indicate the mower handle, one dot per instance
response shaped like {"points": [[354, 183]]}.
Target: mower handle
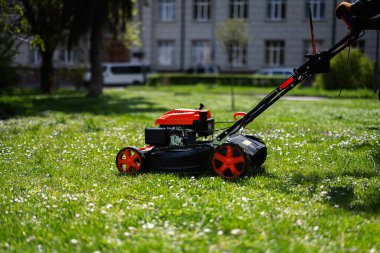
{"points": [[318, 63]]}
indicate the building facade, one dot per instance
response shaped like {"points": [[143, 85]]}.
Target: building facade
{"points": [[178, 34]]}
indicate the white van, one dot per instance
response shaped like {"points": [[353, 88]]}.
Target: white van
{"points": [[121, 74]]}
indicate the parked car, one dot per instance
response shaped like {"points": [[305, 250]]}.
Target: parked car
{"points": [[275, 71], [121, 74], [204, 69]]}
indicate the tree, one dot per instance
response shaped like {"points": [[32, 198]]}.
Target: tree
{"points": [[48, 20], [9, 76], [10, 18], [232, 33], [95, 16]]}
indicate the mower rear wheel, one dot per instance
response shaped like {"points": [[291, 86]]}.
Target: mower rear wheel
{"points": [[229, 161], [129, 160]]}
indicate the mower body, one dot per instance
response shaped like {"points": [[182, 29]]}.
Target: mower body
{"points": [[174, 147]]}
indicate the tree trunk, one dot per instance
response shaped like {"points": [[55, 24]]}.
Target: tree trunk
{"points": [[96, 45], [47, 71]]}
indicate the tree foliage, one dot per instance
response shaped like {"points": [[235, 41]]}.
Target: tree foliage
{"points": [[8, 74], [12, 18], [47, 20], [12, 23]]}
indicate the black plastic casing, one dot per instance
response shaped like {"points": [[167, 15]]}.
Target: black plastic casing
{"points": [[254, 147], [157, 136], [190, 160]]}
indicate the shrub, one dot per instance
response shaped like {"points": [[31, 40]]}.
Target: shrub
{"points": [[210, 79], [358, 73]]}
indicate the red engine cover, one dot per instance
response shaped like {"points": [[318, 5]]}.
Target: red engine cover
{"points": [[181, 117]]}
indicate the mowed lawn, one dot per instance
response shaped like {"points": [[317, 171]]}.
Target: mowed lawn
{"points": [[60, 191]]}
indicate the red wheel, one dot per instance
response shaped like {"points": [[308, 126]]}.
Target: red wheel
{"points": [[129, 160], [229, 161]]}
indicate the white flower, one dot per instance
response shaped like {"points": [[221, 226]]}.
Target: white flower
{"points": [[30, 238], [74, 241], [109, 206], [235, 231], [148, 226], [244, 199], [316, 228]]}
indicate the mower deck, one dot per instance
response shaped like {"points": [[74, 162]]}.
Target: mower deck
{"points": [[230, 160]]}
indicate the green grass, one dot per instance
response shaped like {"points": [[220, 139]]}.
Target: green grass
{"points": [[60, 190], [298, 91]]}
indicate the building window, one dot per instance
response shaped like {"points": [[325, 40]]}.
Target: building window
{"points": [[201, 52], [67, 57], [165, 53], [202, 10], [238, 9], [318, 9], [276, 9], [308, 46], [275, 53], [34, 56], [238, 56], [167, 10]]}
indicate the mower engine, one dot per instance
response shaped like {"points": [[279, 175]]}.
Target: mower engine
{"points": [[180, 127]]}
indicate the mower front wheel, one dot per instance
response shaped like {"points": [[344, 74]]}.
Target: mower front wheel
{"points": [[129, 160], [229, 161]]}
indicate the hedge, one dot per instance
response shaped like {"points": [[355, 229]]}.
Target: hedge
{"points": [[220, 79]]}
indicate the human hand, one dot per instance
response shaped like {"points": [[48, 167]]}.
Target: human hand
{"points": [[342, 8]]}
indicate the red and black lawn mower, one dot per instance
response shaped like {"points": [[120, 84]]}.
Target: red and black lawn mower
{"points": [[174, 145]]}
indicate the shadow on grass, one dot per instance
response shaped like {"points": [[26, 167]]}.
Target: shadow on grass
{"points": [[206, 173], [31, 105], [339, 192], [376, 157]]}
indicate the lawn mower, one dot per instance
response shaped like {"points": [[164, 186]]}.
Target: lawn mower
{"points": [[174, 145]]}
